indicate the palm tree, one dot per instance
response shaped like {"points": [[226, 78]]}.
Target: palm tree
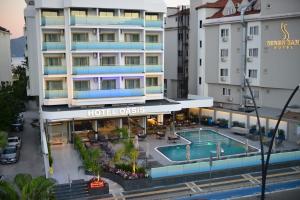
{"points": [[38, 188], [3, 139], [7, 191]]}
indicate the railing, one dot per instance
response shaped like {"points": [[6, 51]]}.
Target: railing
{"points": [[55, 94], [77, 70], [53, 20], [154, 46], [154, 24], [153, 68], [108, 45], [97, 20], [94, 94], [154, 90], [53, 46], [49, 70]]}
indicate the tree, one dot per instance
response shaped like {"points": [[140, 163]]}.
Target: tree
{"points": [[3, 139], [7, 191], [90, 161], [39, 188]]}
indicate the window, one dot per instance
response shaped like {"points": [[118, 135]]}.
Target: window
{"points": [[132, 37], [132, 14], [132, 60], [80, 37], [152, 38], [223, 72], [53, 61], [107, 37], [81, 61], [106, 13], [108, 60], [153, 81], [226, 91], [224, 33], [151, 17], [252, 73], [200, 62], [152, 60], [81, 85], [52, 37], [253, 30], [200, 43], [108, 84], [54, 85], [253, 52], [200, 24], [79, 12], [49, 13], [224, 53], [200, 80], [179, 53], [132, 83]]}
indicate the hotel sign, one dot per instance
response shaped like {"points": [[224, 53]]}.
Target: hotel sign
{"points": [[285, 42], [116, 112]]}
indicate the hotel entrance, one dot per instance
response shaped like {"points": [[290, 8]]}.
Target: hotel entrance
{"points": [[58, 133]]}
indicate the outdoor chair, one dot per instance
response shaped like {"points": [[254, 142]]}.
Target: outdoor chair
{"points": [[173, 139], [142, 136]]}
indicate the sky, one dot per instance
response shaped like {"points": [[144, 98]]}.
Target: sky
{"points": [[11, 14]]}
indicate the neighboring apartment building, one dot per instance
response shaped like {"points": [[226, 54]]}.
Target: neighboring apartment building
{"points": [[5, 56], [98, 66], [176, 52], [272, 63]]}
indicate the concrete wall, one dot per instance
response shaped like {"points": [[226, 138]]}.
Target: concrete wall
{"points": [[279, 7], [5, 57]]}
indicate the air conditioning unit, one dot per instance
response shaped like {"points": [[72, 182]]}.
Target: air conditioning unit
{"points": [[223, 79], [94, 31], [95, 55], [230, 99], [224, 39], [223, 59], [250, 37], [249, 101], [249, 59]]}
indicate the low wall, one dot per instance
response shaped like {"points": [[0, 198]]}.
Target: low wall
{"points": [[227, 164]]}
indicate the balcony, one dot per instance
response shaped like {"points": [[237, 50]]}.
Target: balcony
{"points": [[153, 68], [53, 46], [154, 46], [81, 70], [154, 24], [108, 46], [55, 94], [154, 90], [97, 20], [94, 94], [53, 20], [55, 70]]}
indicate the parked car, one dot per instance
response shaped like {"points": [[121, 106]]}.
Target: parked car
{"points": [[14, 141], [10, 155], [17, 125]]}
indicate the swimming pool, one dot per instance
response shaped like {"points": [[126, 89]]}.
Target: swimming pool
{"points": [[202, 144]]}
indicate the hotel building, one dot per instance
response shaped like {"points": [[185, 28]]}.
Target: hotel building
{"points": [[5, 57], [98, 65]]}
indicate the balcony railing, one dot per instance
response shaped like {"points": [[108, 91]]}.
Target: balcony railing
{"points": [[94, 94], [97, 20], [56, 94], [53, 20], [53, 70], [153, 68], [78, 70], [154, 90], [53, 46], [154, 46], [154, 24], [108, 45]]}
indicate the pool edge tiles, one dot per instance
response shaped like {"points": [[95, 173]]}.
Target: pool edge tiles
{"points": [[239, 144]]}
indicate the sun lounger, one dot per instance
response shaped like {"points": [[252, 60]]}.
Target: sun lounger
{"points": [[240, 131]]}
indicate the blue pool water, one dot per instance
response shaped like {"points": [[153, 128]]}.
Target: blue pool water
{"points": [[202, 144]]}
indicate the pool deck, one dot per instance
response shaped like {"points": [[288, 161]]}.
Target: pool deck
{"points": [[159, 160]]}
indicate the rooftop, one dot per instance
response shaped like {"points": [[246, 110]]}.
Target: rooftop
{"points": [[4, 29]]}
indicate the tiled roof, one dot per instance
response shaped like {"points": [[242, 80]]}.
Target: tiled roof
{"points": [[181, 12], [218, 4], [219, 14], [4, 29]]}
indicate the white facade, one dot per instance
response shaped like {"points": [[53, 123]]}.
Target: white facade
{"points": [[5, 56]]}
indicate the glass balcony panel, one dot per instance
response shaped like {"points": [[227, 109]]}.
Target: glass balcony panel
{"points": [[107, 45], [53, 46], [153, 68], [154, 90], [94, 94], [154, 46], [97, 20], [79, 70], [56, 94], [53, 20], [49, 70], [154, 23]]}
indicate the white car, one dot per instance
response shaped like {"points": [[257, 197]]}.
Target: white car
{"points": [[14, 141]]}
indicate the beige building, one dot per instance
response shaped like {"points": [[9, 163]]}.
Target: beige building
{"points": [[5, 57]]}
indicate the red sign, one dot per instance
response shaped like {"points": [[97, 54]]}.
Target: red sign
{"points": [[95, 183]]}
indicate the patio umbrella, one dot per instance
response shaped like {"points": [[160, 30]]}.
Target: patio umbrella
{"points": [[218, 150], [247, 146], [188, 152], [136, 142], [147, 150]]}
